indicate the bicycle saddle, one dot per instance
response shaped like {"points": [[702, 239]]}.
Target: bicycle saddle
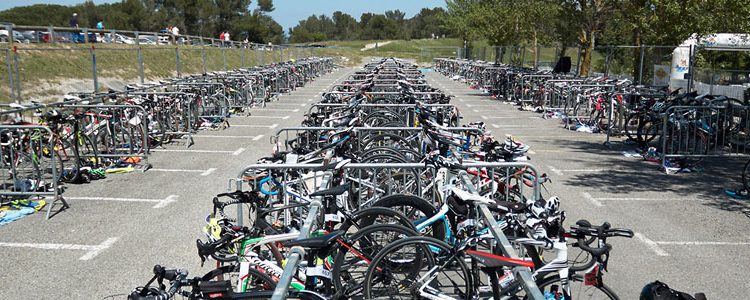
{"points": [[317, 242], [334, 191]]}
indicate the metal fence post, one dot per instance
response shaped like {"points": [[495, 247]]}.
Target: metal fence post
{"points": [[10, 76], [93, 69], [18, 76], [86, 36], [690, 74], [640, 66], [224, 55], [203, 55], [608, 60], [51, 35], [242, 57], [578, 61], [139, 55], [177, 60]]}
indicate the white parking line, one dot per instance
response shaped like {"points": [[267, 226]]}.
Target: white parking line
{"points": [[258, 137], [666, 198], [278, 109], [591, 199], [228, 136], [202, 172], [255, 126], [208, 172], [92, 250], [238, 151], [269, 117], [561, 172], [517, 117], [651, 244], [160, 203], [511, 126], [303, 104], [197, 151], [481, 105]]}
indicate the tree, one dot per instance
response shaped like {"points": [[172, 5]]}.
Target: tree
{"points": [[266, 6]]}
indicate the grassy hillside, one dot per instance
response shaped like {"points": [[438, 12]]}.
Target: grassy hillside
{"points": [[48, 71]]}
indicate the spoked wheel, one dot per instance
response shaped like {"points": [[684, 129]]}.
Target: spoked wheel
{"points": [[351, 263]]}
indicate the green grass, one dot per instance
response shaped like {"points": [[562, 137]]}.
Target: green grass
{"points": [[49, 70], [43, 69]]}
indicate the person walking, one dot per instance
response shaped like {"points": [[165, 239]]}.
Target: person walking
{"points": [[175, 34], [73, 20]]}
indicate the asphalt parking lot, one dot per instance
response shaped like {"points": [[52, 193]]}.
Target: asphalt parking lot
{"points": [[689, 235]]}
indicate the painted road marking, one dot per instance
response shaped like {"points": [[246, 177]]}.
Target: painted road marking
{"points": [[92, 250], [255, 126], [278, 109], [482, 105], [229, 136], [502, 117], [238, 151], [651, 244], [598, 200], [513, 126], [591, 199], [258, 137], [561, 172], [208, 172], [202, 172], [198, 151], [270, 117], [160, 203]]}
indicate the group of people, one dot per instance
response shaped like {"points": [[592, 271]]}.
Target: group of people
{"points": [[225, 38]]}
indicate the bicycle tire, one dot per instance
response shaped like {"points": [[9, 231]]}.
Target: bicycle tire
{"points": [[255, 276], [414, 208], [549, 281], [342, 267], [426, 252]]}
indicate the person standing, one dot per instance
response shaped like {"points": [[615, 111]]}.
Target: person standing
{"points": [[74, 20], [100, 24], [175, 34], [227, 39]]}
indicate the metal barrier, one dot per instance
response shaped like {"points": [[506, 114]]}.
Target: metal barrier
{"points": [[122, 129], [250, 174], [402, 113], [29, 155], [285, 136], [704, 131]]}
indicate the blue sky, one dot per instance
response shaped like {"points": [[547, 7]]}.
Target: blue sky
{"points": [[289, 12]]}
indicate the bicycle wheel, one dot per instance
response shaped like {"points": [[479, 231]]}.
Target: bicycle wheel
{"points": [[256, 279], [415, 267], [352, 260], [551, 288], [415, 209]]}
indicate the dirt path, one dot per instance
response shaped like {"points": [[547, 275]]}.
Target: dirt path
{"points": [[372, 45]]}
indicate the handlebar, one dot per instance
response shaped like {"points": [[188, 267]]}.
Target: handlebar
{"points": [[175, 276]]}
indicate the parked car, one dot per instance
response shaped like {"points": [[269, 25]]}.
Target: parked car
{"points": [[17, 36], [59, 37], [78, 37], [118, 39], [32, 36], [147, 40]]}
